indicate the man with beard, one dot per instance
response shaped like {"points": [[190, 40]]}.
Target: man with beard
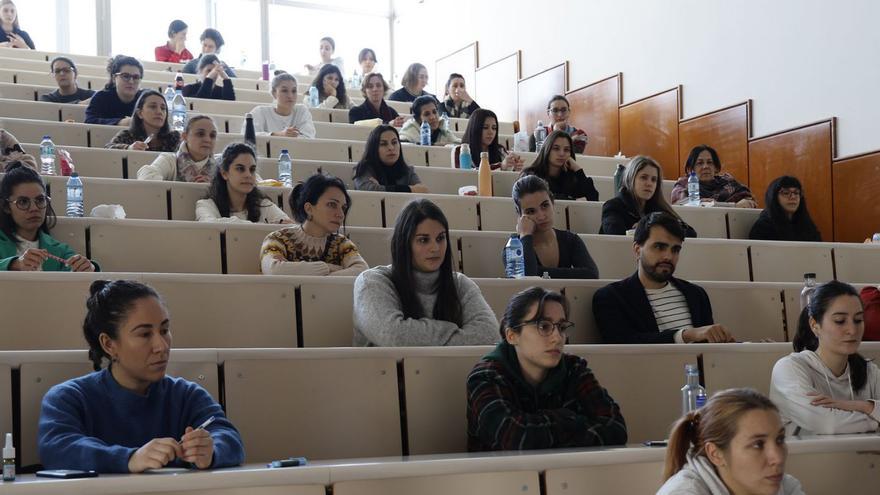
{"points": [[652, 306]]}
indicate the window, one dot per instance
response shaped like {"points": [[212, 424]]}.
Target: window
{"points": [[37, 17], [82, 27], [243, 46]]}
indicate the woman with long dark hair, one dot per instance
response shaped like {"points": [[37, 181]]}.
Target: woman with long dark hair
{"points": [[150, 121], [481, 136], [785, 216], [331, 88], [419, 300], [556, 164], [383, 168]]}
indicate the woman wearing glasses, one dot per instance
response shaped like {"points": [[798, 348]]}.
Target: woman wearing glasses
{"points": [[26, 216], [785, 216], [559, 113], [528, 394], [114, 105]]}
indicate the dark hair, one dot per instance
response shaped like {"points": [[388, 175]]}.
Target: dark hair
{"points": [[672, 224], [558, 98], [63, 59], [695, 153], [418, 103], [541, 165], [371, 165], [325, 70], [107, 305], [207, 60], [175, 27], [18, 173], [529, 184], [521, 303], [800, 222], [136, 127], [452, 76], [195, 118], [116, 63], [473, 136], [330, 40], [804, 338], [218, 191], [214, 35], [311, 191], [716, 422], [363, 55], [447, 307]]}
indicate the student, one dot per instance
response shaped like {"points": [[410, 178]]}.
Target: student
{"points": [[130, 416], [419, 300], [26, 218], [528, 394], [64, 71], [331, 88], [374, 88], [414, 81], [312, 246], [640, 194], [714, 184], [382, 166], [735, 444], [458, 102], [826, 387], [327, 47], [210, 72], [194, 160], [367, 60], [174, 50], [212, 42], [424, 108], [11, 151], [556, 164], [286, 117], [559, 113], [150, 121], [114, 104], [558, 253], [233, 195], [482, 135], [11, 35], [652, 306], [785, 216]]}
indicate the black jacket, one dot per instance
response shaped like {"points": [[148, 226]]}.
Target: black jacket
{"points": [[210, 91], [764, 229], [365, 111], [620, 213], [624, 315]]}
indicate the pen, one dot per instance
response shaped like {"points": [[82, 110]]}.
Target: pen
{"points": [[290, 462], [203, 425]]}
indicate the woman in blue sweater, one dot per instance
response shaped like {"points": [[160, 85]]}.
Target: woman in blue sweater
{"points": [[130, 416]]}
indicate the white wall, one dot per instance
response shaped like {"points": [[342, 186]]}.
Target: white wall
{"points": [[799, 60]]}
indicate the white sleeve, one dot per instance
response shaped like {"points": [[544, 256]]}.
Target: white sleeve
{"points": [[303, 122], [162, 168], [206, 211], [261, 127], [329, 102], [271, 213]]}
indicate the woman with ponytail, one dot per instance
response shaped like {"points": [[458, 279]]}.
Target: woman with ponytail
{"points": [[734, 445], [130, 416], [826, 386]]}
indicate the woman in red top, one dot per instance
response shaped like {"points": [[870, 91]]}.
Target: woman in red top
{"points": [[175, 49]]}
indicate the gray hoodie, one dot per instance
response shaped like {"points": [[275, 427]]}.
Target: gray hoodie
{"points": [[698, 477]]}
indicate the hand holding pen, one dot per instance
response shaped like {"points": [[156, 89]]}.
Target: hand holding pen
{"points": [[197, 446]]}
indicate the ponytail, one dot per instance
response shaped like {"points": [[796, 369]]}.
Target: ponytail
{"points": [[683, 436]]}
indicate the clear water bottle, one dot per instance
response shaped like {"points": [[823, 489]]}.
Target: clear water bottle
{"points": [[465, 160], [355, 80], [444, 122], [540, 135], [313, 97], [807, 291], [425, 134], [47, 156], [514, 264], [693, 190], [178, 112], [876, 237], [284, 168], [693, 395], [75, 206], [169, 96]]}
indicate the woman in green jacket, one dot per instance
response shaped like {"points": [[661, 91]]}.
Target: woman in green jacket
{"points": [[26, 216]]}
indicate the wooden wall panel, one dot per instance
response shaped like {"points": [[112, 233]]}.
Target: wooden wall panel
{"points": [[535, 91], [727, 130], [856, 181], [495, 86], [650, 127], [463, 61], [804, 152], [595, 109]]}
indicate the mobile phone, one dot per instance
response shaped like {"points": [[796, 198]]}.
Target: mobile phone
{"points": [[66, 474]]}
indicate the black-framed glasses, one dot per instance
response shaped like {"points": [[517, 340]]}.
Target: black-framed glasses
{"points": [[62, 70], [23, 203], [125, 76], [545, 327], [790, 193]]}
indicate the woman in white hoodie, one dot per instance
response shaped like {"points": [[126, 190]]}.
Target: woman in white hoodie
{"points": [[825, 386], [733, 445]]}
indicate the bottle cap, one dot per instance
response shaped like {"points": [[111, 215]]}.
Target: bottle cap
{"points": [[484, 154], [809, 275], [9, 450], [283, 151], [47, 137], [465, 146], [691, 368], [248, 115]]}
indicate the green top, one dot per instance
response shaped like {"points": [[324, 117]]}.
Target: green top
{"points": [[9, 252]]}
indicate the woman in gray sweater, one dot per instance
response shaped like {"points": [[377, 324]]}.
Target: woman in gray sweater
{"points": [[382, 168], [419, 300]]}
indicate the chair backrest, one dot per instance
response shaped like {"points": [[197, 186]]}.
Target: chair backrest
{"points": [[92, 162], [752, 312], [584, 217], [141, 199], [710, 223], [321, 326], [365, 210], [243, 244], [484, 483], [741, 365], [740, 220], [460, 211], [857, 263], [713, 259], [788, 261], [499, 214], [621, 476]]}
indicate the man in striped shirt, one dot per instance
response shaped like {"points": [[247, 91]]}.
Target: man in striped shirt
{"points": [[652, 306]]}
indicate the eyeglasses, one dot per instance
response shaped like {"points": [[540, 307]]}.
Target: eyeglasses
{"points": [[790, 193], [23, 203], [125, 76], [63, 70], [545, 327], [558, 111]]}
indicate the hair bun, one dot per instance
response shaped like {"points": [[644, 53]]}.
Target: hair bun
{"points": [[98, 286]]}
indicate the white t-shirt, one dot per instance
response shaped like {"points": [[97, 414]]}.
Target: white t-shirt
{"points": [[670, 310], [267, 121], [206, 211]]}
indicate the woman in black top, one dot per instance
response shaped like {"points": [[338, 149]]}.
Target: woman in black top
{"points": [[211, 72], [785, 216], [374, 88], [559, 253], [11, 35], [555, 163], [414, 81]]}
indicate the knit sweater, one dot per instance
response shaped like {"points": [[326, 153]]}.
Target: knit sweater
{"points": [[698, 477], [207, 211], [161, 142], [379, 318], [290, 251], [267, 121], [568, 409], [179, 166], [106, 108], [92, 422]]}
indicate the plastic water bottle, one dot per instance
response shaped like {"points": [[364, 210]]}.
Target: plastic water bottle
{"points": [[693, 395], [313, 97], [807, 291], [250, 135], [425, 134], [169, 96], [284, 168], [75, 196], [355, 80], [514, 264], [693, 190], [178, 112], [444, 122], [465, 160], [875, 237], [47, 156], [540, 135]]}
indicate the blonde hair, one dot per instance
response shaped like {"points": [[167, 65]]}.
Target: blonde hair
{"points": [[411, 76], [657, 202]]}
